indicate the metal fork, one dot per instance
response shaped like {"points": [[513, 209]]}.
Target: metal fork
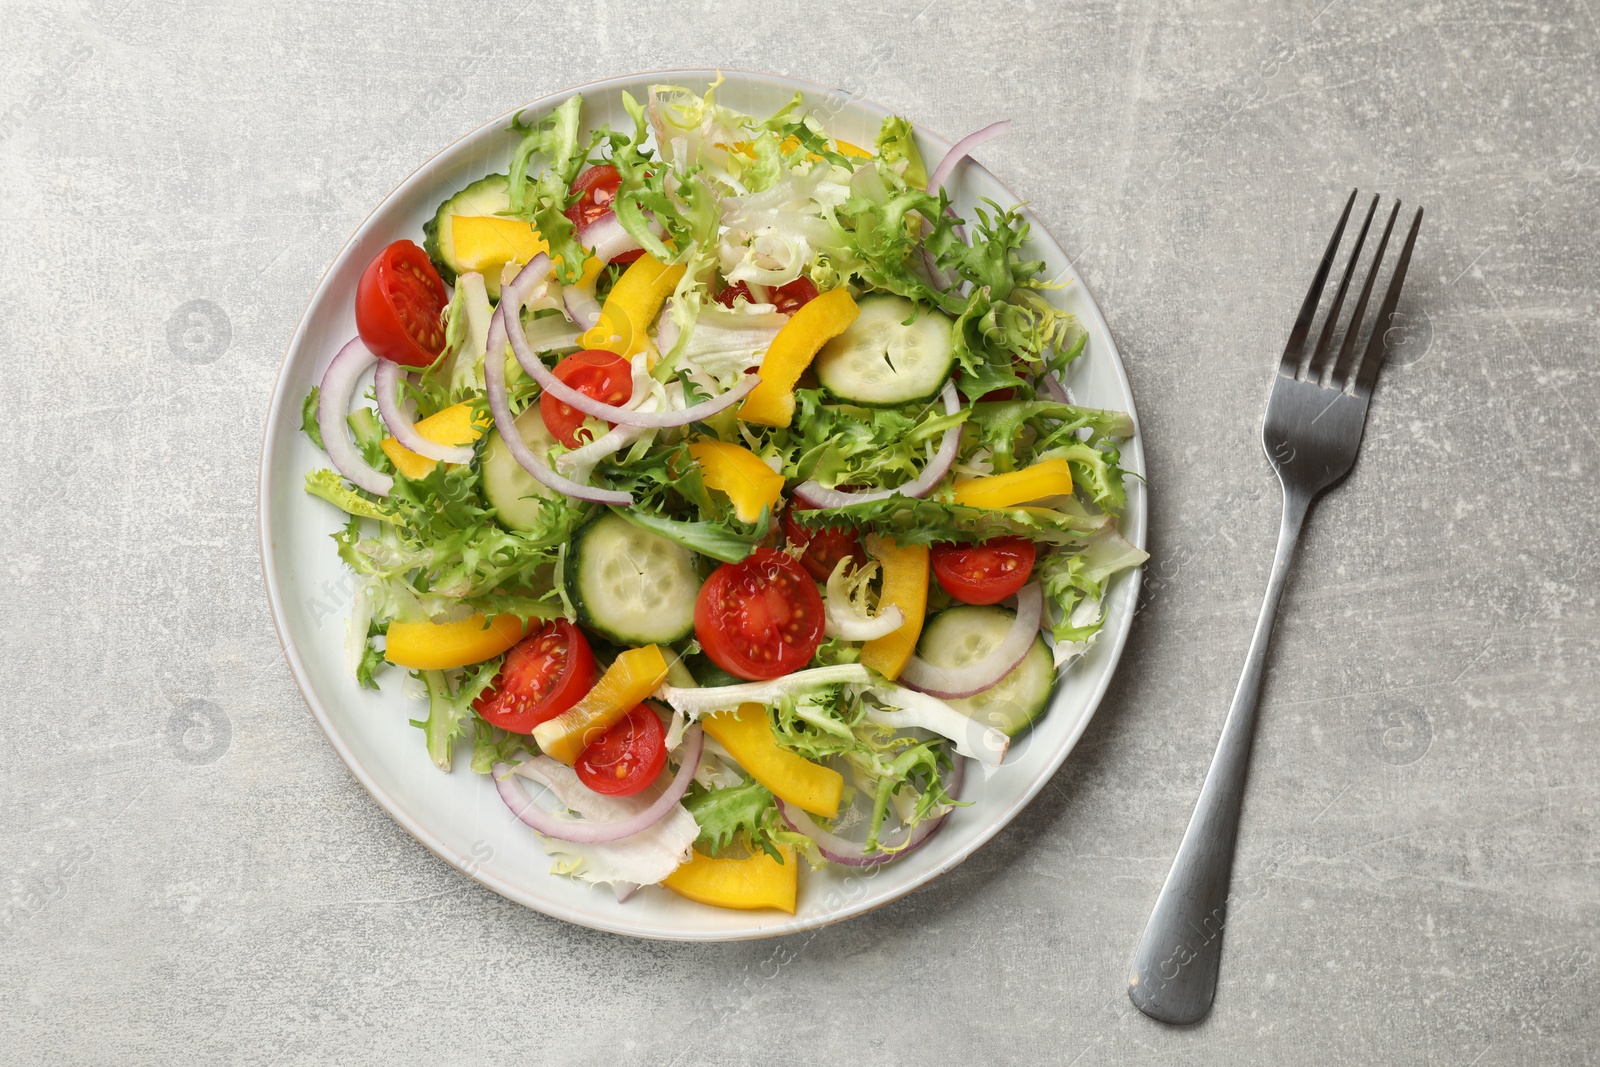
{"points": [[1312, 430]]}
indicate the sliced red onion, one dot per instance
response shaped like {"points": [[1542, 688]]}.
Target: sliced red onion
{"points": [[819, 496], [948, 683], [398, 418], [606, 238], [590, 832], [494, 380], [960, 150], [937, 277], [582, 308], [623, 890], [1057, 392], [854, 854], [338, 388], [654, 420], [668, 331]]}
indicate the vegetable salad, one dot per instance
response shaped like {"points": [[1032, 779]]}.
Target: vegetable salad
{"points": [[722, 499]]}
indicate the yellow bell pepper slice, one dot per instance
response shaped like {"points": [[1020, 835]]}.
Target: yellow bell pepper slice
{"points": [[634, 675], [772, 402], [747, 735], [632, 305], [905, 585], [757, 882], [486, 243], [1048, 477], [436, 646], [739, 472], [591, 272], [790, 143], [452, 426]]}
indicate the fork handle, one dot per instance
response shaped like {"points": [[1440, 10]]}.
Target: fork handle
{"points": [[1174, 973]]}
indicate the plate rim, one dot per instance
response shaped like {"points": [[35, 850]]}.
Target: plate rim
{"points": [[1123, 599]]}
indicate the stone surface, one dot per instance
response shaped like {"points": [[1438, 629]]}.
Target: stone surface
{"points": [[190, 875]]}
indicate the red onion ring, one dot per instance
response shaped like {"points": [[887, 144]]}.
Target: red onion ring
{"points": [[819, 496], [582, 308], [853, 854], [939, 279], [339, 383], [606, 238], [1057, 392], [587, 831], [494, 380], [398, 419], [947, 683], [511, 307], [960, 150]]}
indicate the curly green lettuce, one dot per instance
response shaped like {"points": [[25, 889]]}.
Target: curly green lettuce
{"points": [[744, 813], [543, 200], [450, 713]]}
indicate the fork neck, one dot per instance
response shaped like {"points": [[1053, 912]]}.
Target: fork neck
{"points": [[1296, 503]]}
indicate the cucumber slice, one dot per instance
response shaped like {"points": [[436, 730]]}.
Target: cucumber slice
{"points": [[486, 196], [515, 494], [631, 585], [965, 634], [881, 361]]}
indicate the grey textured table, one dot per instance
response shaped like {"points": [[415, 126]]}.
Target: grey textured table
{"points": [[192, 876]]}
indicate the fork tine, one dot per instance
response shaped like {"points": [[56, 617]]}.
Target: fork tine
{"points": [[1348, 346], [1317, 363], [1366, 374], [1290, 364]]}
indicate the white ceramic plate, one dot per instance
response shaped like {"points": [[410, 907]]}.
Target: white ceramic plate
{"points": [[458, 815]]}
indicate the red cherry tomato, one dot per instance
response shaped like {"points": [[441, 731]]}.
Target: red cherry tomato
{"points": [[596, 190], [398, 302], [824, 547], [729, 296], [787, 298], [593, 372], [761, 618], [543, 675], [627, 757], [985, 573], [794, 295]]}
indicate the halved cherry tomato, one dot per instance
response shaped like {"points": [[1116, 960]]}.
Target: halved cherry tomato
{"points": [[793, 296], [730, 296], [596, 190], [627, 757], [398, 301], [544, 674], [594, 372], [787, 298], [824, 547], [761, 618], [986, 573]]}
